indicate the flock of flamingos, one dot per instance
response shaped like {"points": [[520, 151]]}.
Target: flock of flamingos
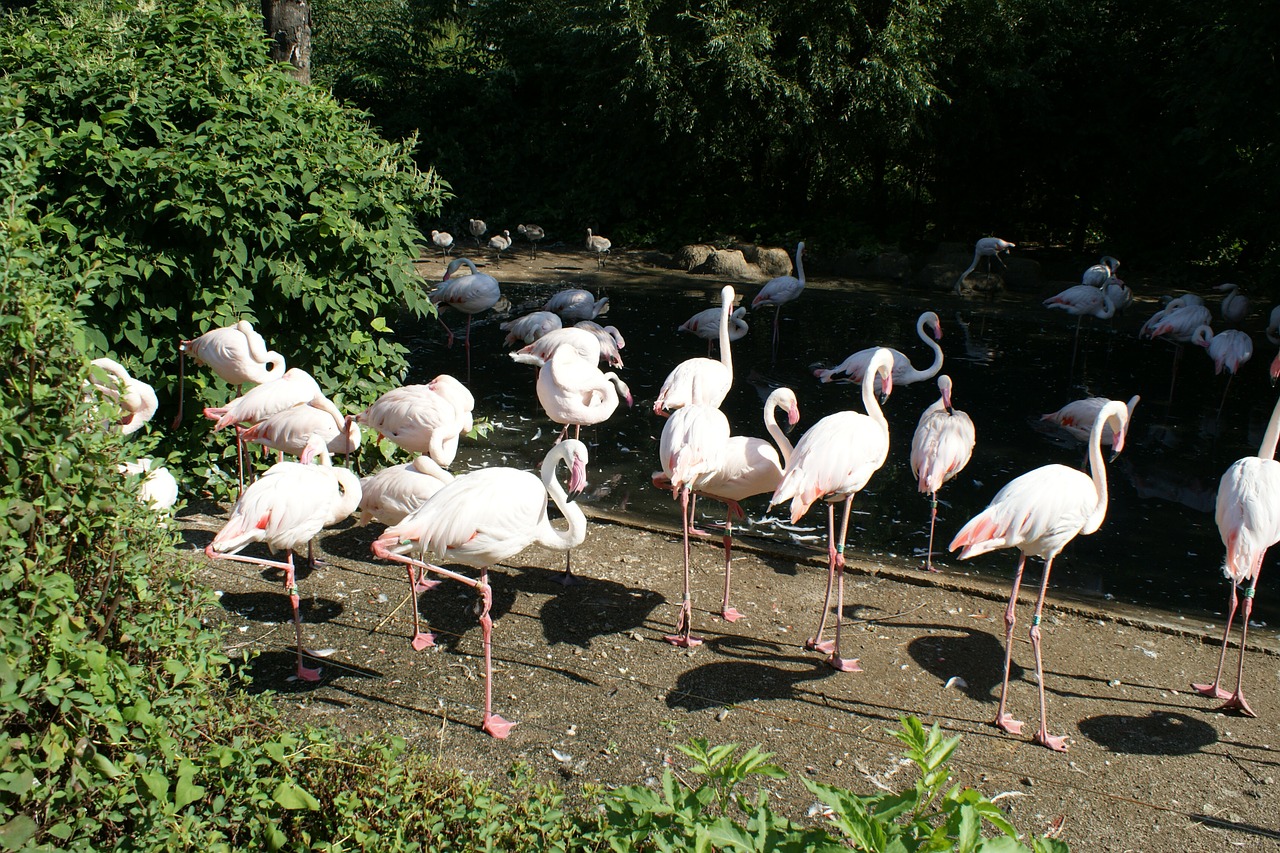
{"points": [[481, 518]]}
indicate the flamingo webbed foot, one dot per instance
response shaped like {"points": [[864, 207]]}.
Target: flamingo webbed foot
{"points": [[306, 673], [815, 644], [730, 614], [1055, 742], [840, 664], [420, 586], [422, 640], [1007, 723], [1213, 691], [684, 641], [1237, 703], [496, 726], [568, 579]]}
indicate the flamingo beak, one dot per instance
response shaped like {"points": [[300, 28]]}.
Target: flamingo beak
{"points": [[577, 478]]}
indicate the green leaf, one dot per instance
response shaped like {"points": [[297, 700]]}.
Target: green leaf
{"points": [[290, 796], [17, 832]]}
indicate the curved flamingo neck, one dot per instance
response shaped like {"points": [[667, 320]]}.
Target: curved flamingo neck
{"points": [[800, 263], [882, 360], [775, 431], [726, 309], [1113, 411], [1267, 450], [577, 531], [932, 370], [349, 483]]}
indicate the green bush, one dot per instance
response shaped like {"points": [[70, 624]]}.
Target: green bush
{"points": [[205, 186]]}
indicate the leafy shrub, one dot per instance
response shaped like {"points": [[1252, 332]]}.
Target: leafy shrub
{"points": [[204, 187]]}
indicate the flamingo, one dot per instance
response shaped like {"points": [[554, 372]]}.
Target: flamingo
{"points": [[692, 450], [530, 327], [237, 354], [575, 392], [289, 430], [588, 346], [1039, 513], [611, 341], [394, 492], [480, 519], [599, 245], [706, 324], [941, 447], [750, 467], [1235, 305], [1248, 517], [834, 460], [477, 228], [443, 241], [1229, 350], [701, 381], [157, 487], [857, 366], [500, 243], [781, 290], [532, 233], [423, 418], [1180, 323], [987, 247], [1100, 273], [137, 400], [1273, 325], [286, 508], [574, 304], [1077, 418], [1082, 299], [294, 388], [470, 294], [1172, 304]]}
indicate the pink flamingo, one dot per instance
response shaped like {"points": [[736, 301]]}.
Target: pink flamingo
{"points": [[691, 450], [157, 487], [611, 341], [701, 381], [1229, 351], [286, 508], [706, 325], [857, 366], [289, 430], [1077, 418], [237, 354], [480, 519], [1248, 516], [576, 304], [392, 493], [833, 462], [470, 294], [1184, 320], [1235, 305], [294, 388], [941, 447], [1101, 273], [588, 346], [1039, 513], [530, 327], [574, 392], [137, 400], [426, 419], [781, 290], [750, 467], [987, 247]]}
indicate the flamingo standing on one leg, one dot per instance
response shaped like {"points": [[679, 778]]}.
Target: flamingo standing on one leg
{"points": [[237, 354], [941, 447], [480, 519], [470, 294], [575, 392], [426, 419], [701, 381], [286, 508], [987, 247], [1039, 513], [833, 462], [706, 325], [1082, 299], [692, 451], [1229, 351], [781, 290], [857, 365], [1248, 516]]}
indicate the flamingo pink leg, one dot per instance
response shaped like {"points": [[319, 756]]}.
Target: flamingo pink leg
{"points": [[684, 623], [835, 661], [1003, 719], [1215, 690], [729, 614], [933, 518], [1235, 701], [291, 588], [1054, 742], [815, 643]]}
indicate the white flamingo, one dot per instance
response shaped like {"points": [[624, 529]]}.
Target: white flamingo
{"points": [[940, 448], [987, 247], [701, 381], [781, 290], [857, 365], [599, 245]]}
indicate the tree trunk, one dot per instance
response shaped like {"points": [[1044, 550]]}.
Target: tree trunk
{"points": [[288, 24]]}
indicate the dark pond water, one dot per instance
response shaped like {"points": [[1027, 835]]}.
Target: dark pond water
{"points": [[1159, 545]]}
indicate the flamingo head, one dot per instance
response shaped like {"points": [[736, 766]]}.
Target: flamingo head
{"points": [[944, 387], [932, 321]]}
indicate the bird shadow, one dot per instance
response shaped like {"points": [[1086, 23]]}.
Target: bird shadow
{"points": [[452, 609], [276, 672], [727, 683], [1157, 733], [274, 607], [578, 613], [976, 657]]}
